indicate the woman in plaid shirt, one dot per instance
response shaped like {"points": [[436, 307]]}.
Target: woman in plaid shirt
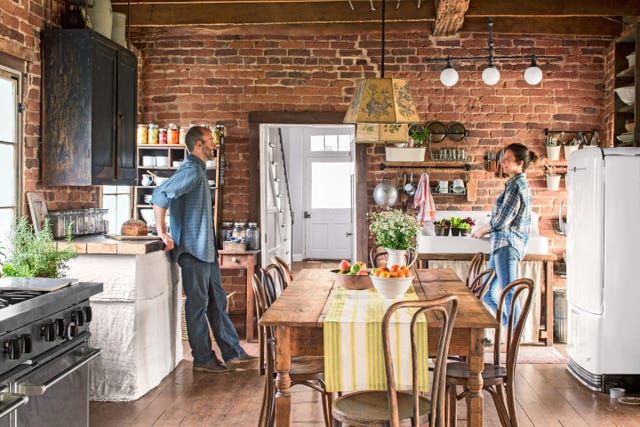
{"points": [[510, 224]]}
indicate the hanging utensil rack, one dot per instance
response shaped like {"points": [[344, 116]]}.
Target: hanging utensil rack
{"points": [[547, 131], [465, 167]]}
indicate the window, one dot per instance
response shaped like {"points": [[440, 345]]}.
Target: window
{"points": [[116, 198], [331, 142], [10, 160]]}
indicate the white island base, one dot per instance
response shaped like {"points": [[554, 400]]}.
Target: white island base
{"points": [[136, 321]]}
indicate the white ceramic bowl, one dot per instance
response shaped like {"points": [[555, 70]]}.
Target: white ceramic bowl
{"points": [[159, 180], [162, 161], [148, 161], [176, 163], [392, 287], [627, 94], [147, 216]]}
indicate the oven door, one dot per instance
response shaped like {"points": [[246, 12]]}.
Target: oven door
{"points": [[57, 387]]}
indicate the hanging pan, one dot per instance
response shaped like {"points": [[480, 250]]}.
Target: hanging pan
{"points": [[456, 131], [437, 131]]}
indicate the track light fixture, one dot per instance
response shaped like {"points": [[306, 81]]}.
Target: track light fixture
{"points": [[491, 74]]}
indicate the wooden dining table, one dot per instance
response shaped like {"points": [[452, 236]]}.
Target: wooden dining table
{"points": [[297, 317]]}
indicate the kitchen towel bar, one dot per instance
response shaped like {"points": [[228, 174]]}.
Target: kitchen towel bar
{"points": [[466, 167]]}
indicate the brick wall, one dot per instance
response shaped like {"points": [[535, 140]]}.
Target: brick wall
{"points": [[20, 24], [194, 76]]}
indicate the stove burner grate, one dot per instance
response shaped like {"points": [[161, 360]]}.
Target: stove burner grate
{"points": [[9, 297]]}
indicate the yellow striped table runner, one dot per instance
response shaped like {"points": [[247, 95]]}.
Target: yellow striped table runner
{"points": [[353, 353]]}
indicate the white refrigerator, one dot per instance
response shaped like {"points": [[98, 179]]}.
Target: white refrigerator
{"points": [[603, 267]]}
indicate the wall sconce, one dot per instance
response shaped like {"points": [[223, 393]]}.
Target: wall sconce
{"points": [[491, 74]]}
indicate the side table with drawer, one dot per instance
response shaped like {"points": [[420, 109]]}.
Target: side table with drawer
{"points": [[243, 260]]}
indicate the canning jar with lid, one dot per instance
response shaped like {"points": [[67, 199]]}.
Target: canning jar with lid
{"points": [[253, 237], [142, 135], [154, 133], [225, 232], [162, 136], [239, 231], [183, 135], [173, 137]]}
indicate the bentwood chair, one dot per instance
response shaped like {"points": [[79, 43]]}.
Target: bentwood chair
{"points": [[475, 267], [389, 408], [498, 378], [378, 256], [480, 284], [305, 370], [286, 269]]}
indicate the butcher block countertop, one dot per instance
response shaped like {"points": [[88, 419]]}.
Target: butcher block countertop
{"points": [[101, 245]]}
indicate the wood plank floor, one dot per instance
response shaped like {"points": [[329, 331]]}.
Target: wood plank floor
{"points": [[547, 396]]}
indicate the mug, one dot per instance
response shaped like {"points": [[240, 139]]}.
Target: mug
{"points": [[146, 179], [458, 186], [443, 187]]}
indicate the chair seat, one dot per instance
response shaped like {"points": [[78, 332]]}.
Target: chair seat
{"points": [[372, 407], [305, 368], [458, 373]]}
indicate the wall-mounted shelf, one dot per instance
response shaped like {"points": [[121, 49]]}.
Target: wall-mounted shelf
{"points": [[466, 166]]}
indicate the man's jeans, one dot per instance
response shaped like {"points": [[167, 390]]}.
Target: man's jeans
{"points": [[207, 300], [504, 261]]}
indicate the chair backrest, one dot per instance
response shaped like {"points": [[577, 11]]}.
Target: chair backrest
{"points": [[442, 311], [480, 285], [378, 256], [286, 269], [522, 289], [476, 266], [273, 281]]}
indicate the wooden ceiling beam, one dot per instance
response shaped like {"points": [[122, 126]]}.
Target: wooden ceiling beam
{"points": [[449, 16], [553, 8], [589, 26]]}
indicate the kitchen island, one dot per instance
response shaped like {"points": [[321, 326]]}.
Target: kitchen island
{"points": [[137, 317]]}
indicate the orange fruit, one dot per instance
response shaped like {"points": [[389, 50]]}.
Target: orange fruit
{"points": [[385, 274]]}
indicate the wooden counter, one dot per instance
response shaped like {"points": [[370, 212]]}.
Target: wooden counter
{"points": [[101, 245]]}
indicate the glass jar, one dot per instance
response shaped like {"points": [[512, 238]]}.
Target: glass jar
{"points": [[253, 237], [226, 228], [142, 134], [239, 232], [183, 135], [162, 136], [173, 137], [154, 134]]}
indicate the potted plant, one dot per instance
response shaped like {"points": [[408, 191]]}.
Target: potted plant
{"points": [[442, 227], [396, 231], [415, 150], [553, 179], [420, 136], [553, 149], [570, 147], [34, 253], [456, 221], [465, 226]]}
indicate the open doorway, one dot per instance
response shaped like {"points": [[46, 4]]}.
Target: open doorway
{"points": [[312, 168]]}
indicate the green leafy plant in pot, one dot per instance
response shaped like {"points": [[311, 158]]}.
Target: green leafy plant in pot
{"points": [[442, 227], [456, 221], [33, 253], [420, 136]]}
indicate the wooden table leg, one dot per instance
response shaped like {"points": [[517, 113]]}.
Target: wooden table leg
{"points": [[475, 361], [249, 303], [283, 380]]}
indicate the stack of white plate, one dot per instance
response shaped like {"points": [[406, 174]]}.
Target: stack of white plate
{"points": [[625, 138]]}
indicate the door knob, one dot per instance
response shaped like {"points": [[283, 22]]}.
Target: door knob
{"points": [[348, 234], [307, 214]]}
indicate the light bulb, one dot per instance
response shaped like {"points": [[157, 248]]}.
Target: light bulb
{"points": [[449, 76], [533, 74], [491, 75]]}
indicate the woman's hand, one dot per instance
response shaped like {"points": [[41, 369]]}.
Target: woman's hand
{"points": [[480, 232]]}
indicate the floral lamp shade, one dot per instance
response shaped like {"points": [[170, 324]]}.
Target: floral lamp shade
{"points": [[382, 100]]}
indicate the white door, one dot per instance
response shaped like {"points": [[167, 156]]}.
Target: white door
{"points": [[328, 195]]}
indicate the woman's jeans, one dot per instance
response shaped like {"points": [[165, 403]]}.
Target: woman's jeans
{"points": [[504, 261], [207, 300]]}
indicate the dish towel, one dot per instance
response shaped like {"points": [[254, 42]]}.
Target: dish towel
{"points": [[423, 199]]}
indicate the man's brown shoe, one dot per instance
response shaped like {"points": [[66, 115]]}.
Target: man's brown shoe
{"points": [[214, 365], [243, 362]]}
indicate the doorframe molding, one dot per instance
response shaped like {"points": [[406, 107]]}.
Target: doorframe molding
{"points": [[257, 118]]}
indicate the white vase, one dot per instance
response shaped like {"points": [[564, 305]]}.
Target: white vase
{"points": [[553, 152], [553, 182], [396, 257], [568, 149]]}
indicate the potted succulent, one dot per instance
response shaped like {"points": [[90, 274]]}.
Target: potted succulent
{"points": [[33, 253], [396, 231], [570, 147], [553, 149], [442, 227]]}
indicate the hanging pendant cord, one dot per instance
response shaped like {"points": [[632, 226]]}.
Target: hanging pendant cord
{"points": [[382, 49]]}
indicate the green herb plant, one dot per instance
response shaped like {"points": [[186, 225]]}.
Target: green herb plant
{"points": [[34, 253], [455, 221], [419, 136]]}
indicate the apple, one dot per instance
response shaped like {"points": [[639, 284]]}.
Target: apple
{"points": [[362, 272], [355, 268], [344, 266]]}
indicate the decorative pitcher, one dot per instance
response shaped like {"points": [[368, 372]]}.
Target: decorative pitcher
{"points": [[396, 257]]}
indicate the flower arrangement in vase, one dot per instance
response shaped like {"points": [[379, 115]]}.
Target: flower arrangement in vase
{"points": [[553, 148], [394, 230]]}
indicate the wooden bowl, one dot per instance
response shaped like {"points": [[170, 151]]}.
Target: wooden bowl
{"points": [[352, 281]]}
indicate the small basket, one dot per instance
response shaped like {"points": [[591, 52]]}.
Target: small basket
{"points": [[234, 246]]}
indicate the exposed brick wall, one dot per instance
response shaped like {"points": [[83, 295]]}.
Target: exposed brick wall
{"points": [[20, 24], [194, 76]]}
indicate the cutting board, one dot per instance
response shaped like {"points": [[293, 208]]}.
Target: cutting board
{"points": [[34, 283], [121, 237]]}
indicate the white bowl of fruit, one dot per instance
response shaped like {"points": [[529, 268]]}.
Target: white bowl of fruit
{"points": [[352, 276], [393, 282]]}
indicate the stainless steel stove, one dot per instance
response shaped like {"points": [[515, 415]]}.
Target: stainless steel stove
{"points": [[44, 337]]}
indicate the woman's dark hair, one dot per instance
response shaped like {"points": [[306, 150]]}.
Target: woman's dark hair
{"points": [[522, 153]]}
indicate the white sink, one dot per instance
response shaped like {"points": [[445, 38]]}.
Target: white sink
{"points": [[538, 245]]}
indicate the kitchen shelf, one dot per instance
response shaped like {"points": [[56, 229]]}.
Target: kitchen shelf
{"points": [[626, 75]]}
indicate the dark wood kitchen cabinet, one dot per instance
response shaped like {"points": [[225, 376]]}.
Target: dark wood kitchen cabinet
{"points": [[89, 110]]}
